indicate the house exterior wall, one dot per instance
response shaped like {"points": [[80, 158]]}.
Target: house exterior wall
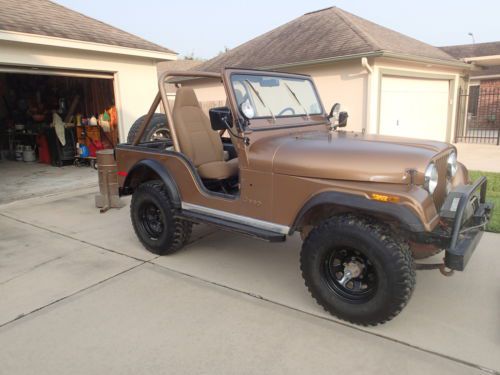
{"points": [[344, 82], [135, 78], [486, 114]]}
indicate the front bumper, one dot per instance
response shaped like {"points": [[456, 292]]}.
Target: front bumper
{"points": [[467, 212]]}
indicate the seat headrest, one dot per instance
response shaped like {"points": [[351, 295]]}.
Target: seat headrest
{"points": [[185, 97]]}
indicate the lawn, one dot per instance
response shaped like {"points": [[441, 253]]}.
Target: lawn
{"points": [[492, 195]]}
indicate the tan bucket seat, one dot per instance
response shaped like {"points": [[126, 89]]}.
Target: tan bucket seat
{"points": [[197, 140]]}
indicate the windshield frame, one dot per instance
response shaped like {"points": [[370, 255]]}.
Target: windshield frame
{"points": [[270, 122]]}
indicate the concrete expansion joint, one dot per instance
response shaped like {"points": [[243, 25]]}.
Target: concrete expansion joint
{"points": [[219, 285]]}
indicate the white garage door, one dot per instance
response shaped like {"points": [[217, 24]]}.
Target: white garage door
{"points": [[414, 107]]}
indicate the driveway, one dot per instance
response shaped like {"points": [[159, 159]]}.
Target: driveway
{"points": [[80, 295], [479, 157]]}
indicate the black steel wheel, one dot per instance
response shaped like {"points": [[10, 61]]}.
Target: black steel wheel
{"points": [[154, 221], [357, 269], [151, 220], [350, 274]]}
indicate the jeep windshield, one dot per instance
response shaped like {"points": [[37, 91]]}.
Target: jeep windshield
{"points": [[260, 96]]}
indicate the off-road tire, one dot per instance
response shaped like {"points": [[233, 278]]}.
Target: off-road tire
{"points": [[175, 232], [389, 257], [158, 121]]}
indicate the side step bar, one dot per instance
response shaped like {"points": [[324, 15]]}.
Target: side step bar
{"points": [[232, 226]]}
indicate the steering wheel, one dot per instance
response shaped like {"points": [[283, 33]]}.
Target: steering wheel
{"points": [[290, 109]]}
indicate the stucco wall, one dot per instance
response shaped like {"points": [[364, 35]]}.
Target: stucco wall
{"points": [[343, 82], [135, 77]]}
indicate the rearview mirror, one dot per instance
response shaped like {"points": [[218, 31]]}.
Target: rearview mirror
{"points": [[220, 118], [247, 110]]}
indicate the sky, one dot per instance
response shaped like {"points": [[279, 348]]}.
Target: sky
{"points": [[205, 28]]}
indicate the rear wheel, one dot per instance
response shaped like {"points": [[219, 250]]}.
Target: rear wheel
{"points": [[154, 222], [156, 131], [357, 270]]}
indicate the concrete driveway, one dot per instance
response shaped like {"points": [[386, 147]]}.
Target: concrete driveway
{"points": [[79, 295], [479, 157]]}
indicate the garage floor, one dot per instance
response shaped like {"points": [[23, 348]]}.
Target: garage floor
{"points": [[20, 180], [80, 295]]}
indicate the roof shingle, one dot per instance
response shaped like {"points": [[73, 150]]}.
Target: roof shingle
{"points": [[323, 34], [43, 17], [463, 51], [473, 50]]}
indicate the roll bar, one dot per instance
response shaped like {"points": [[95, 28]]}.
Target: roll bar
{"points": [[162, 96]]}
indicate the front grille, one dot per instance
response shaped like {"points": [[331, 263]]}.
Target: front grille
{"points": [[440, 192]]}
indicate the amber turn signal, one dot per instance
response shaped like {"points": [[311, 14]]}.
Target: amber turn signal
{"points": [[384, 198]]}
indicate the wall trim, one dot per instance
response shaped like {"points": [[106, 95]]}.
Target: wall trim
{"points": [[17, 37]]}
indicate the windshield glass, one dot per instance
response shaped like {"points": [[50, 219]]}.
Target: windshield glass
{"points": [[260, 96]]}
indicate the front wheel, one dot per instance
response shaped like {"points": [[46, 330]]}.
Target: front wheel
{"points": [[154, 221], [357, 270]]}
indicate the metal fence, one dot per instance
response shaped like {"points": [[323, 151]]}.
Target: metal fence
{"points": [[478, 119]]}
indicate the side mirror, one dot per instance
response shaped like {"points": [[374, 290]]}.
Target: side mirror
{"points": [[334, 112], [338, 119], [220, 118], [343, 116]]}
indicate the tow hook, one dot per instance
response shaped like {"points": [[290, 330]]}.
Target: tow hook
{"points": [[445, 271]]}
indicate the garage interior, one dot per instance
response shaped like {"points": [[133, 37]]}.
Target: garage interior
{"points": [[51, 126]]}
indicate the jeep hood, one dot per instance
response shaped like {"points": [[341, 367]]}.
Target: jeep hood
{"points": [[348, 155]]}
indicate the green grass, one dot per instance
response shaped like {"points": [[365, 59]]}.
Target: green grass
{"points": [[492, 195]]}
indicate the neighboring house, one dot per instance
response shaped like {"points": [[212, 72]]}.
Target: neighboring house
{"points": [[486, 56], [40, 37], [389, 83], [481, 104]]}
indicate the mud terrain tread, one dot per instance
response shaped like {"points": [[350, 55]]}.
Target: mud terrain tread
{"points": [[400, 259], [157, 118], [182, 229]]}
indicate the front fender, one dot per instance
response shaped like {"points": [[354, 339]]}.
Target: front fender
{"points": [[400, 213]]}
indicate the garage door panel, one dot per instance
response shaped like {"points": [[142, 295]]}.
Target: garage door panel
{"points": [[415, 108]]}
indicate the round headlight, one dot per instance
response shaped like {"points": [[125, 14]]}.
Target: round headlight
{"points": [[431, 178], [452, 164]]}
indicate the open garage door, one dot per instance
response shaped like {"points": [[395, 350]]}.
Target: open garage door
{"points": [[32, 100], [414, 107]]}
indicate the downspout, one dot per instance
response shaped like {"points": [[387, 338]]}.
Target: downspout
{"points": [[369, 69], [364, 64]]}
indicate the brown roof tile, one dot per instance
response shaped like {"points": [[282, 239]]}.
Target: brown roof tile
{"points": [[43, 17], [323, 34]]}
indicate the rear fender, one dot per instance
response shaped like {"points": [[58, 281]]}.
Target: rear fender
{"points": [[148, 169]]}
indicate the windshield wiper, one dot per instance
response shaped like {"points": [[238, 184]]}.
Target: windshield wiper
{"points": [[260, 98], [296, 99]]}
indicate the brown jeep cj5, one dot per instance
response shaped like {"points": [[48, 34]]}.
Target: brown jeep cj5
{"points": [[273, 162]]}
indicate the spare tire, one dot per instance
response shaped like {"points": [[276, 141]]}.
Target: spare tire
{"points": [[156, 131]]}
